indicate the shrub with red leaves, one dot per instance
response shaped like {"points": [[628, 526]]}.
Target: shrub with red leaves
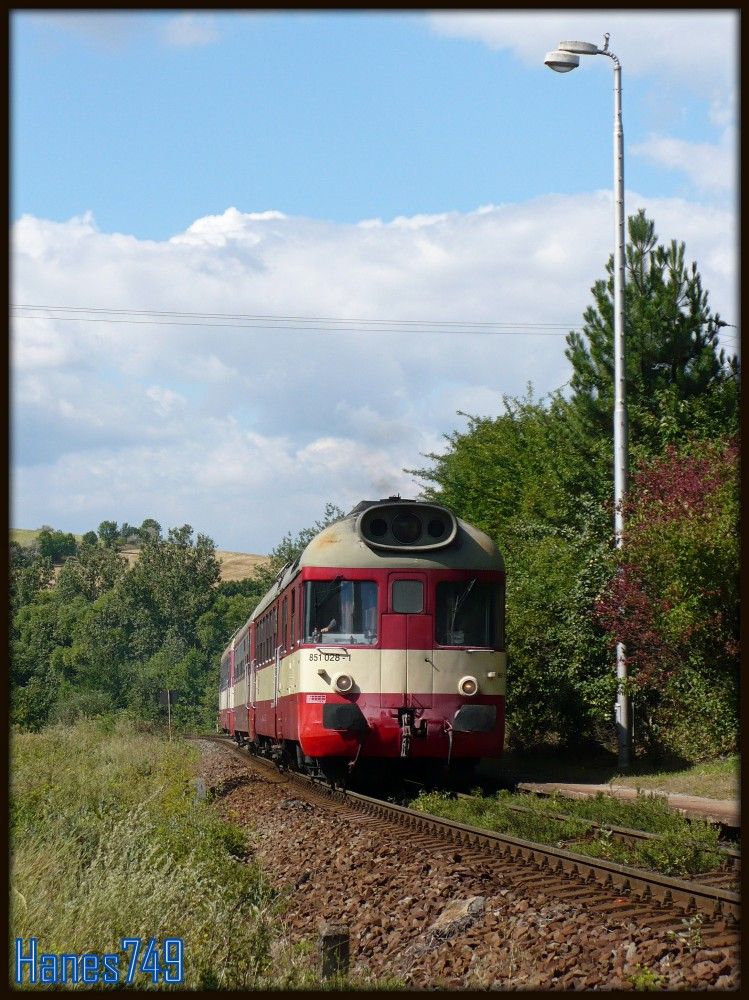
{"points": [[674, 599]]}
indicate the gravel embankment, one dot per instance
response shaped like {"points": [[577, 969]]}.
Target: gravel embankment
{"points": [[432, 918]]}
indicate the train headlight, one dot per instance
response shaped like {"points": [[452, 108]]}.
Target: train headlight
{"points": [[468, 686], [343, 683], [406, 527]]}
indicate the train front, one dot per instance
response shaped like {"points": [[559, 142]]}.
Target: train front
{"points": [[402, 654]]}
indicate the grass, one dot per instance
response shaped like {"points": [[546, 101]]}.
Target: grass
{"points": [[26, 536], [717, 779], [681, 848], [109, 841], [238, 565]]}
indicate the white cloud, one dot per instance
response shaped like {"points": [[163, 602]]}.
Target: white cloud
{"points": [[245, 433], [164, 400], [187, 30], [683, 54], [116, 30], [693, 48], [111, 30], [711, 167]]}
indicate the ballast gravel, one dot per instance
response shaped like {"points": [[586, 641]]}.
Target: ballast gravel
{"points": [[427, 917]]}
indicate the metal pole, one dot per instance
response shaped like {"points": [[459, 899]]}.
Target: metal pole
{"points": [[169, 712], [623, 714], [565, 58]]}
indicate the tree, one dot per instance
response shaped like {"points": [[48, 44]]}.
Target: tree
{"points": [[97, 656], [91, 573], [90, 538], [129, 534], [672, 351], [56, 545], [30, 575], [106, 635], [38, 633], [170, 587], [150, 529], [674, 601], [108, 533]]}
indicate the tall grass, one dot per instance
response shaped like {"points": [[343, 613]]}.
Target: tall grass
{"points": [[108, 841]]}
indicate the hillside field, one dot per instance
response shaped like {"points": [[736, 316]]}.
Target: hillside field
{"points": [[234, 565]]}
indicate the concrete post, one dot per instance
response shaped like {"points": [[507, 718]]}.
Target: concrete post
{"points": [[334, 949]]}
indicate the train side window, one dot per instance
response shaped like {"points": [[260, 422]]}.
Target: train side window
{"points": [[292, 634], [408, 597], [284, 622]]}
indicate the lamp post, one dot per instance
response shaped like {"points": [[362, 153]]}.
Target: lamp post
{"points": [[564, 58]]}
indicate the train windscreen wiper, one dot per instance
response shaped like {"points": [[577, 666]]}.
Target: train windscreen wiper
{"points": [[459, 601]]}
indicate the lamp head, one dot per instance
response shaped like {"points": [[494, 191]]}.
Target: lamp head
{"points": [[581, 48], [561, 62]]}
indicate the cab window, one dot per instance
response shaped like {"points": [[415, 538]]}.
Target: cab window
{"points": [[469, 613], [340, 611]]}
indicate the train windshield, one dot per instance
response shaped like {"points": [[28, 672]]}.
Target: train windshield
{"points": [[469, 613], [340, 611]]}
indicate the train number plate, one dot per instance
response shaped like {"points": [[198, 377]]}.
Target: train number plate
{"points": [[329, 657]]}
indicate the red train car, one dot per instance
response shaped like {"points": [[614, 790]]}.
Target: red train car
{"points": [[384, 640]]}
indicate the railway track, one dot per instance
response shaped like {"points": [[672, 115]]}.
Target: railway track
{"points": [[601, 884], [726, 878]]}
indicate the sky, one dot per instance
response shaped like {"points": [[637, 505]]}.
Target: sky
{"points": [[263, 261]]}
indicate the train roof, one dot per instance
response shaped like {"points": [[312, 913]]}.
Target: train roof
{"points": [[358, 541]]}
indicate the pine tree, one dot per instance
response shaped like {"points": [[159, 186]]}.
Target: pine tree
{"points": [[671, 336]]}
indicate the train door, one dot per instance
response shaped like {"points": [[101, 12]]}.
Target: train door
{"points": [[251, 695], [407, 627], [252, 679], [232, 687], [276, 684]]}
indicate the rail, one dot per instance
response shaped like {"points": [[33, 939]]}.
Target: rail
{"points": [[691, 897]]}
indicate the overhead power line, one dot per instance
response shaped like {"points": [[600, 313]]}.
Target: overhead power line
{"points": [[90, 314], [291, 323]]}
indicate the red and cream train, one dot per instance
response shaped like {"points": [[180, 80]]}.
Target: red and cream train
{"points": [[383, 640]]}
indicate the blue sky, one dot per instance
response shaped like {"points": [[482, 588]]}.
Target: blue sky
{"points": [[381, 166], [334, 116]]}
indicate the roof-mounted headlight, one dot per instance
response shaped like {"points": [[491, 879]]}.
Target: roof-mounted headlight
{"points": [[408, 525]]}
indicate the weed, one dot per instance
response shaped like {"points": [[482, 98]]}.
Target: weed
{"points": [[692, 933], [681, 848], [645, 979]]}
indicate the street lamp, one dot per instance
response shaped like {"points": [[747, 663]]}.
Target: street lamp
{"points": [[564, 58]]}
